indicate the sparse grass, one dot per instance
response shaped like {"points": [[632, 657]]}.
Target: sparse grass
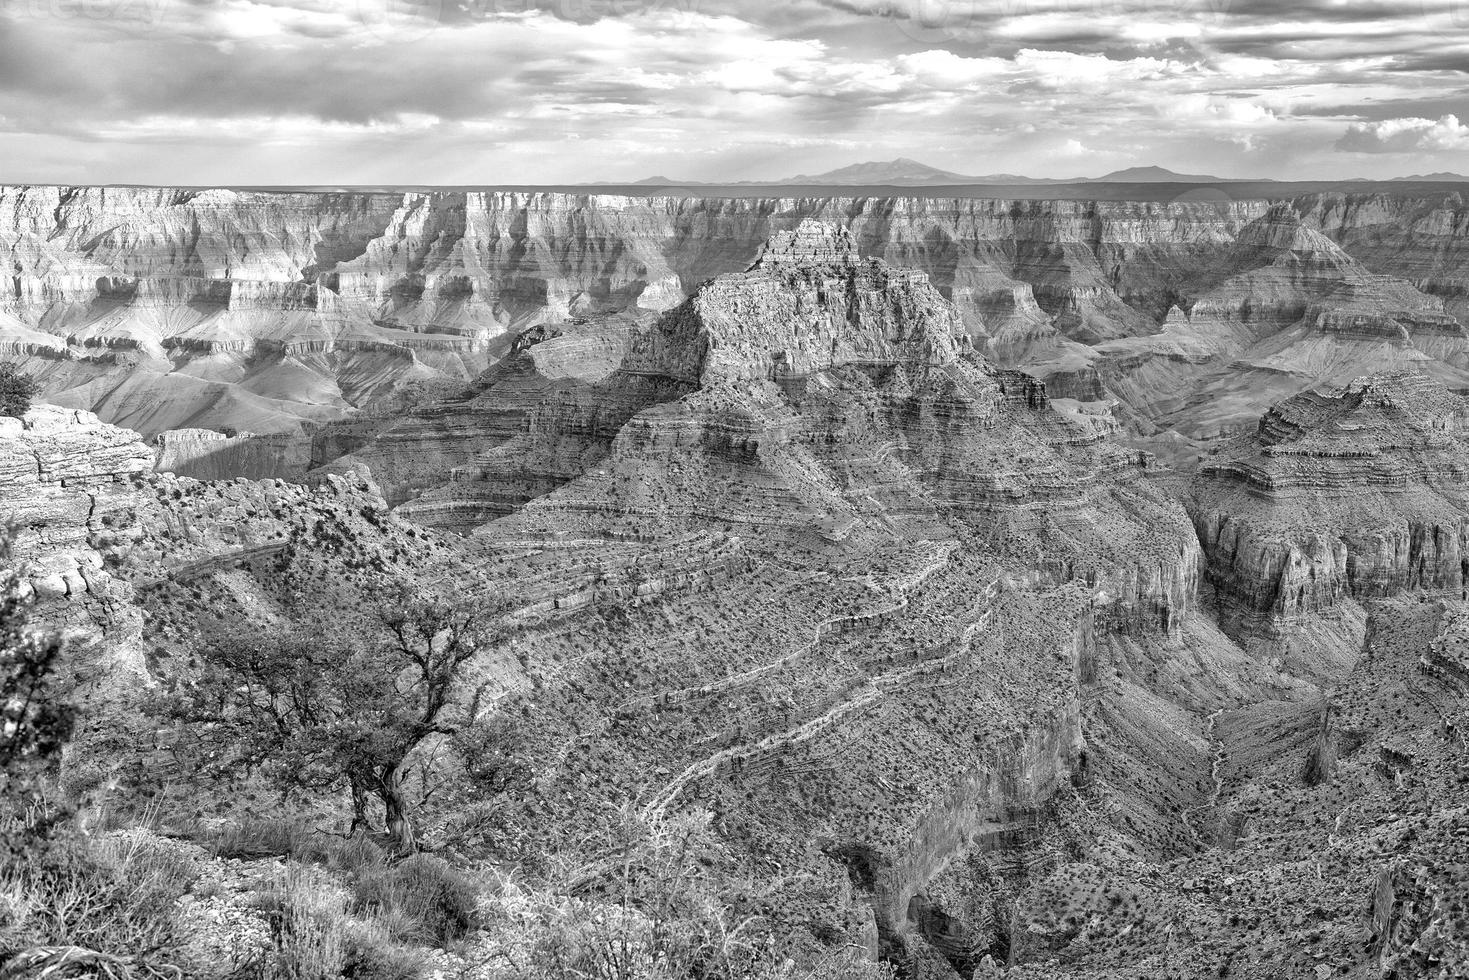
{"points": [[113, 897], [315, 935], [254, 838], [423, 899]]}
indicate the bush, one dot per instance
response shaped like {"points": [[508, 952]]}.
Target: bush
{"points": [[372, 955], [352, 855], [254, 838], [314, 937], [422, 899], [36, 718], [308, 925], [16, 391], [116, 896]]}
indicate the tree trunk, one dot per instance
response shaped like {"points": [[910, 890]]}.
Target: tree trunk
{"points": [[359, 807], [399, 824]]}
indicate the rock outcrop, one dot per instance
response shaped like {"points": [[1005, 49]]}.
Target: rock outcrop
{"points": [[69, 484], [1357, 492], [205, 454]]}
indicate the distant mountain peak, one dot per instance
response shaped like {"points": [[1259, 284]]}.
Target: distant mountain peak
{"points": [[901, 170], [1441, 175], [1153, 174]]}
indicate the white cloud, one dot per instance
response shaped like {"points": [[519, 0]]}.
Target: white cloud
{"points": [[944, 69], [732, 86], [1410, 135]]}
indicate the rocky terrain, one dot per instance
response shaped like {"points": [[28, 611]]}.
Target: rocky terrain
{"points": [[954, 674], [274, 313], [1346, 493]]}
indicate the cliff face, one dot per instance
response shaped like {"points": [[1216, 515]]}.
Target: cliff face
{"points": [[1358, 492], [267, 312], [70, 483], [809, 304], [205, 454]]}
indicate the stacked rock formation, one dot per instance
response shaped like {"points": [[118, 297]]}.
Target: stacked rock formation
{"points": [[67, 478], [817, 389], [809, 304], [1355, 492]]}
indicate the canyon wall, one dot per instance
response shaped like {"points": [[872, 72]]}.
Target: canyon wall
{"points": [[1360, 492], [271, 312]]}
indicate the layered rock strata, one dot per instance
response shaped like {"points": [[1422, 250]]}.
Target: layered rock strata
{"points": [[68, 479], [933, 530], [927, 653], [1356, 492], [271, 312]]}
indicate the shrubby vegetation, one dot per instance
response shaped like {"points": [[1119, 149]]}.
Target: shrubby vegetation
{"points": [[330, 702], [650, 911], [106, 904], [16, 391], [35, 716]]}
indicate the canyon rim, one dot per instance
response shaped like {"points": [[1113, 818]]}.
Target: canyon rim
{"points": [[1000, 509]]}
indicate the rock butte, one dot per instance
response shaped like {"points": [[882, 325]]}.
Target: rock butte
{"points": [[960, 675]]}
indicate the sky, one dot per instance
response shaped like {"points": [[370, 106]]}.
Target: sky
{"points": [[485, 92]]}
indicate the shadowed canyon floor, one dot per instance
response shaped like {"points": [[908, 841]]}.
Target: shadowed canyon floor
{"points": [[956, 673]]}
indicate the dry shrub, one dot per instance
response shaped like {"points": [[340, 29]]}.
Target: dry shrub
{"points": [[111, 901], [355, 854], [308, 920], [314, 935], [254, 838], [373, 955], [423, 898]]}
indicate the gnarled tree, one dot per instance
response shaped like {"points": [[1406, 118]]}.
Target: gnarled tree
{"points": [[331, 702]]}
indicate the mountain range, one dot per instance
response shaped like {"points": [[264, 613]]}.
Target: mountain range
{"points": [[906, 172]]}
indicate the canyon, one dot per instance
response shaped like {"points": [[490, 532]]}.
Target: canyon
{"points": [[1029, 588], [282, 314]]}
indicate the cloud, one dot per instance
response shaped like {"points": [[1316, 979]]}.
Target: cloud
{"points": [[460, 91], [1411, 135]]}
